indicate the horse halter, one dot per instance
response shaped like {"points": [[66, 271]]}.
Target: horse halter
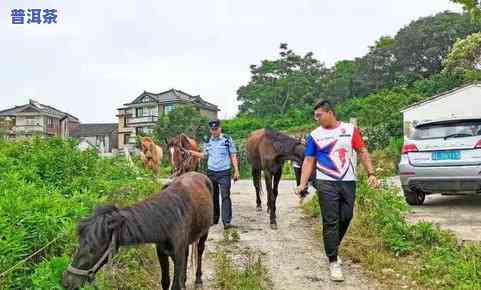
{"points": [[90, 273], [186, 159]]}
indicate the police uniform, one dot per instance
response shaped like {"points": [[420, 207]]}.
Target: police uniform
{"points": [[218, 151]]}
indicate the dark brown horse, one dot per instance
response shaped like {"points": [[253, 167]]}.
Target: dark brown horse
{"points": [[178, 216], [180, 160], [267, 150]]}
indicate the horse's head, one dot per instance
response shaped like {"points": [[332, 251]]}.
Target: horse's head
{"points": [[174, 146], [180, 159], [97, 243], [287, 147], [299, 149], [147, 146]]}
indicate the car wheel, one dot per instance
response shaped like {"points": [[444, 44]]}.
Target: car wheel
{"points": [[414, 198]]}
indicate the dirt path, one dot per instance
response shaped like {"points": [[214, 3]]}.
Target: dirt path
{"points": [[292, 254]]}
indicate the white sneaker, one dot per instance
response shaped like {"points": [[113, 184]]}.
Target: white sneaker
{"points": [[338, 260], [335, 270]]}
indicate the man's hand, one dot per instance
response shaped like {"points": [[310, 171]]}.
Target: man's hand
{"points": [[300, 189], [373, 181], [196, 154], [236, 175]]}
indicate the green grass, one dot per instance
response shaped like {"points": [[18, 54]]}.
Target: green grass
{"points": [[46, 186], [238, 268], [248, 274], [398, 254]]}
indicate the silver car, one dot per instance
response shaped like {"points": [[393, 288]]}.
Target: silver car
{"points": [[442, 157]]}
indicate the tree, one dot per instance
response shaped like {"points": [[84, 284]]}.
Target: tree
{"points": [[473, 7], [278, 85], [340, 80], [422, 45], [465, 54], [182, 119], [377, 69]]}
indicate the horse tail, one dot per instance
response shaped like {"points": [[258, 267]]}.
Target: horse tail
{"points": [[194, 256]]}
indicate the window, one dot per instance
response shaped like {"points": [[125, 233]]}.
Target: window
{"points": [[139, 112], [30, 120], [150, 111], [126, 138], [168, 108], [139, 131], [50, 122], [149, 131], [449, 129]]}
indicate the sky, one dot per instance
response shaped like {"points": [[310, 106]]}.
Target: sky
{"points": [[102, 54]]}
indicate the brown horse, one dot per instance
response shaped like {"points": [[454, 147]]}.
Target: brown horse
{"points": [[151, 154], [180, 215], [181, 161], [267, 150]]}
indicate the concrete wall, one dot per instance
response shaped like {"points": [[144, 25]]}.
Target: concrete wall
{"points": [[102, 143], [30, 123]]}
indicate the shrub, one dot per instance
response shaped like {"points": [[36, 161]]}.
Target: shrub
{"points": [[444, 264], [240, 127], [46, 186]]}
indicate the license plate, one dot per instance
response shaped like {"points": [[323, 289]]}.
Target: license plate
{"points": [[446, 155]]}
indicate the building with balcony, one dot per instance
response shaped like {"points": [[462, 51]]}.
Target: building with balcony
{"points": [[101, 137], [141, 115], [36, 119]]}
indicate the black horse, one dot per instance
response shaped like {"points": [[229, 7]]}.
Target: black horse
{"points": [[178, 216], [267, 150]]}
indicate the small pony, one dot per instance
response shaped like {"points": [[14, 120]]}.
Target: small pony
{"points": [[151, 154], [178, 216]]}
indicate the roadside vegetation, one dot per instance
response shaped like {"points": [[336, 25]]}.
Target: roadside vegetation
{"points": [[239, 268], [402, 255], [46, 186]]}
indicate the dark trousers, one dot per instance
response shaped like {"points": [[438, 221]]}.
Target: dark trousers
{"points": [[222, 183], [336, 200]]}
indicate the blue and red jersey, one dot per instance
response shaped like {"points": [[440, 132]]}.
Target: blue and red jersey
{"points": [[334, 151]]}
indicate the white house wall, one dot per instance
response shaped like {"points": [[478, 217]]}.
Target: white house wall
{"points": [[459, 104]]}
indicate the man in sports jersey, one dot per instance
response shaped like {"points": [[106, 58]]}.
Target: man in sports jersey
{"points": [[330, 149]]}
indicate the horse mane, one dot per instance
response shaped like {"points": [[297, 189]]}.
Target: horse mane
{"points": [[95, 228], [147, 138], [281, 142]]}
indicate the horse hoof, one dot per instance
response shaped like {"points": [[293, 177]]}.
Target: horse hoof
{"points": [[199, 285], [274, 226], [259, 208]]}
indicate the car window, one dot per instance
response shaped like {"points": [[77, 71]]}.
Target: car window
{"points": [[448, 130]]}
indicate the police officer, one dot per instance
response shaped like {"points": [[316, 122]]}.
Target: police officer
{"points": [[220, 152]]}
